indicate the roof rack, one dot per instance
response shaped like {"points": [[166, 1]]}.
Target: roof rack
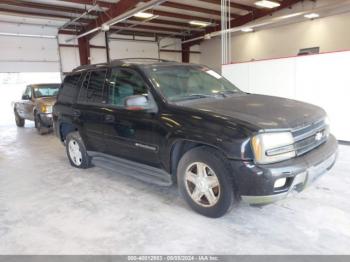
{"points": [[120, 61], [84, 67], [142, 59]]}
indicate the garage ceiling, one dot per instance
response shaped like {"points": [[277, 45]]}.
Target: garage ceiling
{"points": [[172, 17]]}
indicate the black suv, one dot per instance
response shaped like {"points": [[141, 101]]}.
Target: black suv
{"points": [[188, 124]]}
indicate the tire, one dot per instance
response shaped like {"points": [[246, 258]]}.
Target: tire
{"points": [[218, 187], [38, 125], [76, 151], [19, 121]]}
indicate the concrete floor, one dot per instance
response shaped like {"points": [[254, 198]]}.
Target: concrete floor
{"points": [[48, 207]]}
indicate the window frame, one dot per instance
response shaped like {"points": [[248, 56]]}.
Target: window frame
{"points": [[30, 92], [77, 86], [151, 99], [88, 74]]}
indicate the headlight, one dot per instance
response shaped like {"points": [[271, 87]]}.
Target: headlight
{"points": [[273, 147], [327, 121], [46, 109]]}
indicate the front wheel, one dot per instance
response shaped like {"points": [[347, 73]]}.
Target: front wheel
{"points": [[19, 120], [76, 151], [39, 127], [204, 182]]}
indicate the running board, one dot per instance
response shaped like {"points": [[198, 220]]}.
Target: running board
{"points": [[136, 170]]}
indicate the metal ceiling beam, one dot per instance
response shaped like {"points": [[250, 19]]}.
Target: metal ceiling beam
{"points": [[90, 2], [67, 32], [120, 29], [233, 5], [40, 14], [46, 7], [139, 33], [243, 20], [150, 27], [185, 17], [195, 9], [115, 10], [165, 22]]}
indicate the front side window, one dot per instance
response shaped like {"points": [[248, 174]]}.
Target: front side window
{"points": [[179, 83], [46, 90], [28, 92], [123, 83]]}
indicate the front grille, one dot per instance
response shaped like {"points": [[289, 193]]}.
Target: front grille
{"points": [[309, 137]]}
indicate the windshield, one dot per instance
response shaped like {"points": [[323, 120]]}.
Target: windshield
{"points": [[46, 90], [179, 83]]}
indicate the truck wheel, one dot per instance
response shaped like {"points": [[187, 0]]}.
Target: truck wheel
{"points": [[76, 151], [39, 127], [204, 182], [19, 121]]}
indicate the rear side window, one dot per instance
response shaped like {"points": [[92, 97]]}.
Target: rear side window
{"points": [[92, 89], [69, 89]]}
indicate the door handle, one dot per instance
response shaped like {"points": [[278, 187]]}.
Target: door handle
{"points": [[109, 118], [76, 113]]}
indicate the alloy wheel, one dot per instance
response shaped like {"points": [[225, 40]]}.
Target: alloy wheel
{"points": [[74, 152], [202, 184]]}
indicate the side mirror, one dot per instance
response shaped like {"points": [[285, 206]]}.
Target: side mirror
{"points": [[137, 102], [25, 97]]}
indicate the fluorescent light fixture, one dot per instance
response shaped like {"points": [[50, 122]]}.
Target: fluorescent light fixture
{"points": [[143, 15], [312, 16], [199, 23], [267, 4], [247, 30]]}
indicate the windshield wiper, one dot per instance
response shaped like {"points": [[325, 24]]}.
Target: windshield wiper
{"points": [[227, 92], [194, 96]]}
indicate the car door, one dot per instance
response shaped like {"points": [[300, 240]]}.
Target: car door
{"points": [[89, 109], [129, 133], [27, 104]]}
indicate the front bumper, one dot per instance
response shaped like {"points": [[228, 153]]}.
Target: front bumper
{"points": [[46, 120], [256, 182]]}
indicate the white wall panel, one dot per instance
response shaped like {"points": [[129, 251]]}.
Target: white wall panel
{"points": [[131, 49], [322, 80], [27, 54], [22, 28], [98, 55], [70, 58], [238, 75], [328, 33], [281, 84]]}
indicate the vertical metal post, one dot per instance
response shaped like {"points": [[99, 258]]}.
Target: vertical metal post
{"points": [[107, 47], [59, 56], [158, 43], [84, 50]]}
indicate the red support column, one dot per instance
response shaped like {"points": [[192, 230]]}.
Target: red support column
{"points": [[84, 50], [185, 53]]}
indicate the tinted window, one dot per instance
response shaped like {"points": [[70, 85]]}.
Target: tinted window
{"points": [[123, 83], [83, 90], [69, 89], [96, 87]]}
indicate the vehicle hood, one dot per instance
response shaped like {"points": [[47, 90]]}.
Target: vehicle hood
{"points": [[50, 101], [264, 112]]}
